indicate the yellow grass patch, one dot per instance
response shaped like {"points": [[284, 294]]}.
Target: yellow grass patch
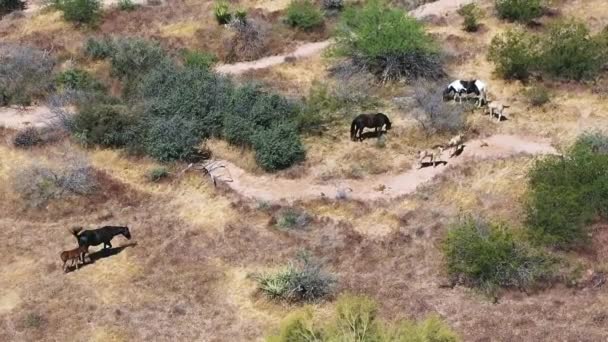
{"points": [[186, 29], [45, 22], [242, 157], [107, 334]]}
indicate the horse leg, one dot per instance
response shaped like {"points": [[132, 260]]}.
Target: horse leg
{"points": [[64, 268], [361, 133]]}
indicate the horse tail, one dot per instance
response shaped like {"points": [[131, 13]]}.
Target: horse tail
{"points": [[353, 129]]}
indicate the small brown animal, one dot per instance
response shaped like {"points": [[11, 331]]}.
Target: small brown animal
{"points": [[74, 255], [497, 108]]}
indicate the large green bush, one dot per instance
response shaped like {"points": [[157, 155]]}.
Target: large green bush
{"points": [[567, 193], [99, 48], [7, 6], [519, 10], [303, 14], [356, 319], [515, 54], [387, 41], [132, 57], [104, 124], [172, 138], [80, 11], [487, 256], [278, 147]]}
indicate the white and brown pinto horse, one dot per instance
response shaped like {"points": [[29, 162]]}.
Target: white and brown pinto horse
{"points": [[459, 88]]}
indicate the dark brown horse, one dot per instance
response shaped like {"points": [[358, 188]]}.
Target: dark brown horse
{"points": [[375, 121]]}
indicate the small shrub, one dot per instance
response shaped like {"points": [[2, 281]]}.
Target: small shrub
{"points": [[222, 12], [470, 13], [133, 57], [158, 173], [402, 49], [302, 280], [197, 59], [514, 53], [126, 5], [537, 95], [304, 15], [567, 194], [27, 137], [105, 125], [293, 219], [78, 80], [433, 113], [333, 5], [249, 41], [99, 48], [297, 327], [34, 320], [80, 11], [8, 6], [487, 256], [519, 10], [278, 147]]}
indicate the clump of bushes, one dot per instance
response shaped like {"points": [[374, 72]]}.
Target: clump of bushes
{"points": [[488, 256], [301, 280], [80, 11], [433, 113], [333, 5], [304, 15], [292, 218], [537, 95], [515, 54], [278, 147], [32, 136], [222, 12], [107, 125], [248, 42], [8, 6], [198, 59], [157, 174], [356, 319], [400, 49], [519, 10], [471, 13], [99, 48], [567, 193], [25, 74], [126, 5], [78, 80]]}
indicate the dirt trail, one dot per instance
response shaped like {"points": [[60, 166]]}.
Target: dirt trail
{"points": [[17, 118], [274, 189]]}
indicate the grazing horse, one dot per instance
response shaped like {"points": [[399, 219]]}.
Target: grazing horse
{"points": [[74, 255], [460, 88], [376, 121], [101, 235]]}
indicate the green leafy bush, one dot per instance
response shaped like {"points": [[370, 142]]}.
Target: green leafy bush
{"points": [[567, 194], [198, 59], [400, 49], [126, 5], [470, 13], [356, 319], [303, 14], [302, 280], [133, 57], [292, 218], [222, 12], [173, 138], [104, 124], [158, 173], [514, 53], [537, 95], [487, 256], [8, 6], [333, 5], [99, 48], [519, 10], [80, 80], [569, 51], [80, 11], [278, 147]]}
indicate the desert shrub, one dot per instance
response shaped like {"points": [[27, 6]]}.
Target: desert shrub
{"points": [[27, 137], [38, 184], [80, 11], [158, 173], [356, 319], [248, 42], [433, 113], [25, 74], [132, 57], [333, 5], [78, 80], [8, 6], [567, 193], [126, 5], [172, 138], [301, 280], [487, 256], [401, 49], [537, 95], [278, 147], [519, 10], [569, 51], [514, 53], [292, 218], [99, 48], [103, 124], [198, 59], [222, 13], [471, 13], [303, 14]]}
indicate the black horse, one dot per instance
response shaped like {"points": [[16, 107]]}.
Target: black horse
{"points": [[376, 121], [101, 235]]}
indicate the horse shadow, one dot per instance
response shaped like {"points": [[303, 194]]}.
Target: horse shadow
{"points": [[369, 135], [458, 151], [101, 254], [433, 164]]}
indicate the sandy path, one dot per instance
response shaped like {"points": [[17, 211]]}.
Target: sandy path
{"points": [[17, 118], [273, 189]]}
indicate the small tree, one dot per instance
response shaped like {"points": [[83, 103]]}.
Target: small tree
{"points": [[519, 10], [470, 13], [515, 54]]}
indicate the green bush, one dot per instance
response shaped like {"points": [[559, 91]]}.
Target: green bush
{"points": [[80, 11], [8, 6], [356, 319], [126, 5], [487, 256], [133, 57], [197, 59], [292, 218], [567, 193], [537, 95], [519, 10], [80, 80], [278, 147], [99, 48], [303, 14], [158, 173], [222, 12], [173, 138], [569, 51], [400, 49], [104, 124], [515, 54], [470, 13], [302, 280]]}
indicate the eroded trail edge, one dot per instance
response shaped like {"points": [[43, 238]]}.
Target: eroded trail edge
{"points": [[274, 189]]}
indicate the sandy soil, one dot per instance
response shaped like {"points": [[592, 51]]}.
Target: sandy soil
{"points": [[17, 118], [274, 189]]}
